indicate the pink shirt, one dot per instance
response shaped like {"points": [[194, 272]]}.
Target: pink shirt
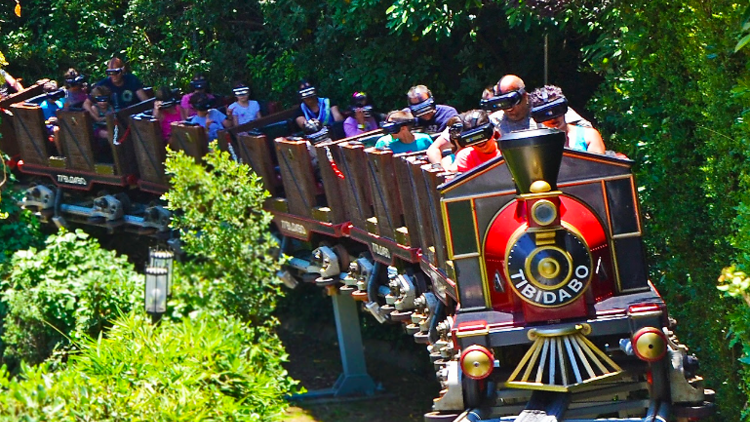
{"points": [[166, 119]]}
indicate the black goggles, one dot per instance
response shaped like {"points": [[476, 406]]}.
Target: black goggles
{"points": [[472, 136], [198, 84], [241, 91], [307, 92], [366, 109], [167, 104], [392, 128], [202, 105], [425, 107], [114, 71], [551, 110], [503, 101], [102, 98], [319, 136], [75, 81]]}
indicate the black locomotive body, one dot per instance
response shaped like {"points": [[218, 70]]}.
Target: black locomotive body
{"points": [[525, 278]]}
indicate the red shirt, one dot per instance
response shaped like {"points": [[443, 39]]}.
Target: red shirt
{"points": [[468, 158]]}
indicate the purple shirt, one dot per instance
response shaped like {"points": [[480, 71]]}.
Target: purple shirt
{"points": [[438, 121], [351, 126]]}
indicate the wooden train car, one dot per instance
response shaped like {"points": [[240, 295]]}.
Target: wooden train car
{"points": [[525, 278]]}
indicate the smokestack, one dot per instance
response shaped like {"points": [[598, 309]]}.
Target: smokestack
{"points": [[533, 155]]}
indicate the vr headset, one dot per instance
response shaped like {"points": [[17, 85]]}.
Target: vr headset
{"points": [[241, 90], [307, 92], [101, 98], [116, 71], [320, 136], [56, 94], [199, 84], [167, 104], [392, 128], [78, 80], [472, 136], [202, 105], [366, 109], [503, 101], [420, 109], [551, 110]]}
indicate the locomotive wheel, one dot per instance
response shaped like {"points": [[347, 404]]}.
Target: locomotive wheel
{"points": [[472, 392], [440, 417]]}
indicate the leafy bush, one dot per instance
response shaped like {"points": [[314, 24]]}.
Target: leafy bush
{"points": [[69, 290], [205, 368], [18, 228], [222, 222]]}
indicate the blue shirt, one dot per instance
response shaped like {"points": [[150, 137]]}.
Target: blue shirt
{"points": [[216, 117], [421, 142], [124, 95]]}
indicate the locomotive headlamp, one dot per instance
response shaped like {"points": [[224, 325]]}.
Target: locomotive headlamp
{"points": [[543, 212], [650, 344], [477, 362]]}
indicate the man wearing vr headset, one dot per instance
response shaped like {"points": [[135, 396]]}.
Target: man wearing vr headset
{"points": [[198, 84], [243, 110], [125, 89], [399, 138], [476, 138], [432, 117], [314, 107], [549, 107]]}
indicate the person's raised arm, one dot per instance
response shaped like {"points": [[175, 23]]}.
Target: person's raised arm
{"points": [[12, 82], [337, 117], [88, 105], [141, 94], [435, 151]]}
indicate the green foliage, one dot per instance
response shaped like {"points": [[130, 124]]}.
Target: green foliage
{"points": [[18, 228], [222, 222], [67, 291], [206, 368]]}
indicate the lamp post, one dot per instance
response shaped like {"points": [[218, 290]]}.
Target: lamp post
{"points": [[158, 282]]}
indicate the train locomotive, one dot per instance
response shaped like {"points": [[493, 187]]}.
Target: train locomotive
{"points": [[525, 278]]}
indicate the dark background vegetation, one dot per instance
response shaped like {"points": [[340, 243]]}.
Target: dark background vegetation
{"points": [[667, 82]]}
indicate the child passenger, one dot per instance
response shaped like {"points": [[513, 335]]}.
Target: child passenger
{"points": [[100, 108], [210, 118], [244, 109], [75, 89], [166, 110]]}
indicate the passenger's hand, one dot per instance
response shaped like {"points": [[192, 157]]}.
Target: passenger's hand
{"points": [[230, 112], [359, 114]]}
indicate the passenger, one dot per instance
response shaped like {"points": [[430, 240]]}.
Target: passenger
{"points": [[98, 111], [52, 102], [476, 129], [10, 86], [549, 106], [362, 117], [314, 107], [75, 89], [432, 117], [400, 139], [166, 110], [126, 89], [210, 118], [244, 110], [510, 106], [198, 84]]}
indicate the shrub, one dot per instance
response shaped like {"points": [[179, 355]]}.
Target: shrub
{"points": [[205, 368], [69, 290], [18, 228], [222, 223]]}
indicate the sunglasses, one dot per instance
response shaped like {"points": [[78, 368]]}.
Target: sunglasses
{"points": [[114, 71], [503, 101], [102, 99]]}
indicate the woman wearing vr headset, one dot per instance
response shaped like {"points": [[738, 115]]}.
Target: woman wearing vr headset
{"points": [[166, 110], [362, 118], [75, 89], [198, 84], [549, 106], [243, 110]]}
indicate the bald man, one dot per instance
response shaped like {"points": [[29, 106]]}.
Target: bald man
{"points": [[126, 89]]}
